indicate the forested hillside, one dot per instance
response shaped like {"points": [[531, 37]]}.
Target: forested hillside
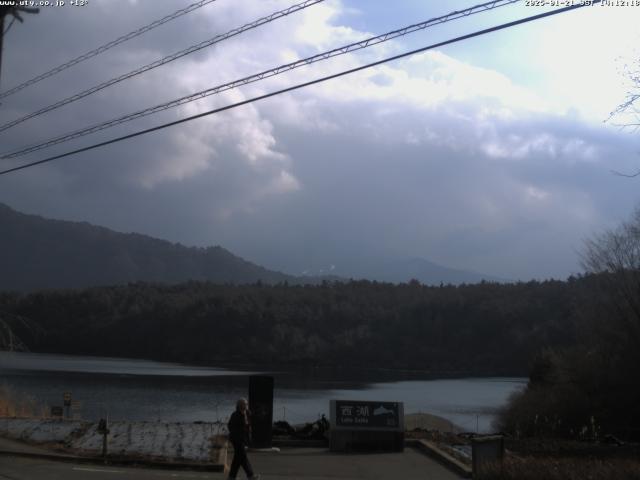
{"points": [[474, 329], [39, 253]]}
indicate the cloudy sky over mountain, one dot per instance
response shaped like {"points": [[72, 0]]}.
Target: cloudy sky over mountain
{"points": [[490, 154]]}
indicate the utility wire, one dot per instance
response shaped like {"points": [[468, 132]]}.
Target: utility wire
{"points": [[163, 61], [258, 76], [305, 84], [106, 46], [8, 28]]}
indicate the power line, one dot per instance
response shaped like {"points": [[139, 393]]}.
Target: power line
{"points": [[259, 76], [8, 28], [106, 46], [163, 61], [305, 84]]}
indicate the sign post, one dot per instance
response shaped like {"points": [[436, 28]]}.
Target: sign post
{"points": [[66, 397], [103, 428]]}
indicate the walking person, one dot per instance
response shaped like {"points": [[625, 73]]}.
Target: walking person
{"points": [[239, 434]]}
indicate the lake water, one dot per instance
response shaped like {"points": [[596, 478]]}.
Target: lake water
{"points": [[147, 390]]}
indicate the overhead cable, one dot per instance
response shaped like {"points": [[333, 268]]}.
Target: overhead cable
{"points": [[6, 30], [164, 61], [106, 46], [259, 76], [305, 84]]}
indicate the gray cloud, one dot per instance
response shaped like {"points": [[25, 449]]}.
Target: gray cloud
{"points": [[431, 157]]}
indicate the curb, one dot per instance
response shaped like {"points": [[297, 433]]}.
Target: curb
{"points": [[124, 461], [433, 451], [295, 443]]}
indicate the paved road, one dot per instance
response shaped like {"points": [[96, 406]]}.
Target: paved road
{"points": [[21, 468], [318, 464], [303, 464]]}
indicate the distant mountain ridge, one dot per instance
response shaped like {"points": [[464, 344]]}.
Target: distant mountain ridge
{"points": [[425, 271], [39, 253], [403, 270]]}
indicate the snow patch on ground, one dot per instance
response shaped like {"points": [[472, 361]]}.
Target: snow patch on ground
{"points": [[171, 441], [38, 430]]}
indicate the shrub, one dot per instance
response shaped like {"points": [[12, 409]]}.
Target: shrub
{"points": [[13, 404], [531, 468]]}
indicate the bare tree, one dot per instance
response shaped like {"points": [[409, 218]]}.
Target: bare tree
{"points": [[9, 340], [628, 111], [627, 114], [615, 256]]}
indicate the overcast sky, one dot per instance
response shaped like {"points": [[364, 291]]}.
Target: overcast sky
{"points": [[489, 155]]}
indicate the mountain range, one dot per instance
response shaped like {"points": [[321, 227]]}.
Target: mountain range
{"points": [[40, 253], [405, 269]]}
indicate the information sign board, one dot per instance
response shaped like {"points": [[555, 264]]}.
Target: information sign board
{"points": [[365, 425], [355, 414]]}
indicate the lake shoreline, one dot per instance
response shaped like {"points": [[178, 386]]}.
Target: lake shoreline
{"points": [[153, 391], [358, 372]]}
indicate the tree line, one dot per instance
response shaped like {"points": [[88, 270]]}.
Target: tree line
{"points": [[480, 329]]}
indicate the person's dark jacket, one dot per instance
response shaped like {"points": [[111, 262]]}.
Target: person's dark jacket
{"points": [[238, 428]]}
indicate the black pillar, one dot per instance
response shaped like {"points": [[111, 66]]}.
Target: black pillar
{"points": [[261, 407]]}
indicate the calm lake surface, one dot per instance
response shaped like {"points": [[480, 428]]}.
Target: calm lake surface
{"points": [[147, 390]]}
